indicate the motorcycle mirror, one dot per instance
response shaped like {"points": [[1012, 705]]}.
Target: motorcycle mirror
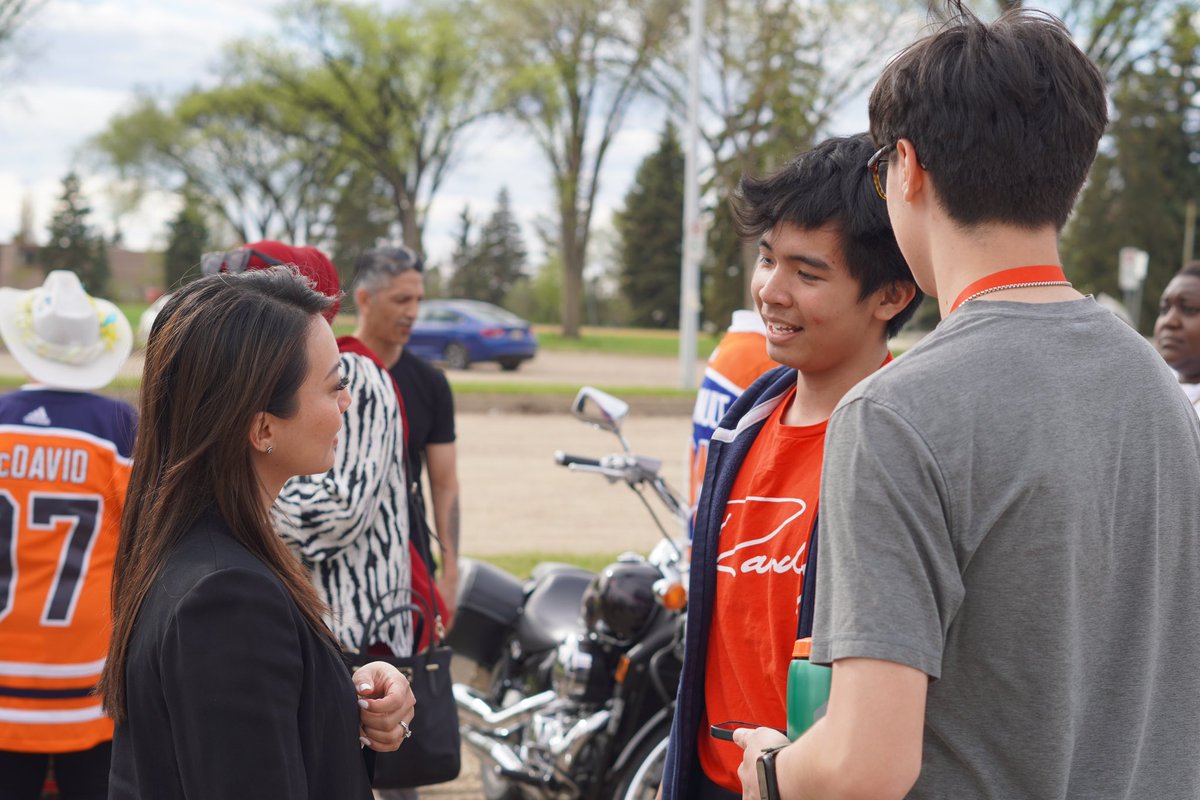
{"points": [[600, 409]]}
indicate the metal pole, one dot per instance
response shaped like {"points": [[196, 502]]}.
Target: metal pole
{"points": [[693, 228], [1189, 233]]}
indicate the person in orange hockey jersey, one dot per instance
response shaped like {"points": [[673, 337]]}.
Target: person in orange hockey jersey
{"points": [[738, 361], [64, 468]]}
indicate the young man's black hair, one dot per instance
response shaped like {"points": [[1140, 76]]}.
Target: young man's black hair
{"points": [[830, 184]]}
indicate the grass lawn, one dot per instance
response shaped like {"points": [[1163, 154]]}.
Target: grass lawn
{"points": [[133, 312], [565, 389], [622, 341], [521, 564], [619, 341]]}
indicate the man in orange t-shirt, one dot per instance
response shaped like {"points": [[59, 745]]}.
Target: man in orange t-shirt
{"points": [[831, 287]]}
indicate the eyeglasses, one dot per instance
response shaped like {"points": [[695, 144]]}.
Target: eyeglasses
{"points": [[878, 166]]}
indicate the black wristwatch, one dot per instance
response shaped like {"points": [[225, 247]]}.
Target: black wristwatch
{"points": [[768, 783]]}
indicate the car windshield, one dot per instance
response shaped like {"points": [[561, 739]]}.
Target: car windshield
{"points": [[486, 312]]}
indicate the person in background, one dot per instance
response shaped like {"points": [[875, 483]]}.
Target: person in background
{"points": [[388, 289], [1177, 329], [735, 364], [1010, 522], [64, 466], [350, 523], [831, 288], [222, 677]]}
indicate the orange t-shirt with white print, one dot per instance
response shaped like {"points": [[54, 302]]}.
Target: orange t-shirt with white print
{"points": [[763, 547]]}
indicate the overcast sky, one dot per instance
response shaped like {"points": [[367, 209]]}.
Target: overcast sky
{"points": [[81, 61]]}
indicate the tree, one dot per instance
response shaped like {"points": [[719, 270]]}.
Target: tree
{"points": [[362, 216], [539, 299], [227, 147], [188, 241], [1116, 34], [571, 68], [650, 228], [399, 88], [724, 272], [773, 77], [1139, 187], [24, 236], [14, 15], [73, 245], [490, 267]]}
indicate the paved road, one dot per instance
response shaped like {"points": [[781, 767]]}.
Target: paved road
{"points": [[581, 368], [516, 499], [557, 367]]}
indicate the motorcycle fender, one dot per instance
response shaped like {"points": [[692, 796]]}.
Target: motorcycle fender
{"points": [[663, 716]]}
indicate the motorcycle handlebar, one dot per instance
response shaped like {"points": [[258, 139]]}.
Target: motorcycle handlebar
{"points": [[566, 460]]}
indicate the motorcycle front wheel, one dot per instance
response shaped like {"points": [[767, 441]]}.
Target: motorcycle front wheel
{"points": [[640, 778], [496, 787]]}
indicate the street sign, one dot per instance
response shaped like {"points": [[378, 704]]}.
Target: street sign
{"points": [[1132, 268]]}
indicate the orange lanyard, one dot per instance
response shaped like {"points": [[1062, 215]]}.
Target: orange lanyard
{"points": [[1013, 278]]}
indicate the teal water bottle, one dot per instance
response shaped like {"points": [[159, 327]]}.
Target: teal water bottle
{"points": [[807, 690]]}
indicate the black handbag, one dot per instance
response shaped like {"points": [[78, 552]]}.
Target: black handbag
{"points": [[433, 754]]}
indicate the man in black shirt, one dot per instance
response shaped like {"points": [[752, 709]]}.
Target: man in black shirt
{"points": [[388, 289]]}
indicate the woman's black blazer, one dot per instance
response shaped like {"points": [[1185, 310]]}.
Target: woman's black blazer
{"points": [[230, 693]]}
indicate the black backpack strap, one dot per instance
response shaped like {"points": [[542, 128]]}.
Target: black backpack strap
{"points": [[808, 590]]}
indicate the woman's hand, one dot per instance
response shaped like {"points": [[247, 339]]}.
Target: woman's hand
{"points": [[386, 704]]}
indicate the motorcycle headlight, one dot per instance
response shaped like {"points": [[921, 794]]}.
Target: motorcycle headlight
{"points": [[581, 671], [572, 667]]}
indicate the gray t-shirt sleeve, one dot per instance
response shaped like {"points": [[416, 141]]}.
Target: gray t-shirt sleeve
{"points": [[888, 580]]}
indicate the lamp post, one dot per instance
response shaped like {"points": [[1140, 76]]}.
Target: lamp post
{"points": [[693, 227]]}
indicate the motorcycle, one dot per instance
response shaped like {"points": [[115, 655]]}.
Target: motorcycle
{"points": [[577, 671]]}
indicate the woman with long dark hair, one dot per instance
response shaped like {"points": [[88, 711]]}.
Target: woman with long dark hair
{"points": [[222, 677]]}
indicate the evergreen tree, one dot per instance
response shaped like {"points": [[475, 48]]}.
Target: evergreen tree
{"points": [[1139, 187], [502, 251], [651, 236], [24, 235], [189, 237], [362, 215], [73, 244], [723, 272], [461, 282], [489, 268]]}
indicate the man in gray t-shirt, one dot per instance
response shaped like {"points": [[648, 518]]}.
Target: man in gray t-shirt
{"points": [[1013, 522], [1010, 513]]}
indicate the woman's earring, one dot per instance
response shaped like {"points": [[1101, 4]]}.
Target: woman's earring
{"points": [[270, 449]]}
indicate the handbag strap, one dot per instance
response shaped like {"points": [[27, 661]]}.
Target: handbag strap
{"points": [[379, 618], [808, 590]]}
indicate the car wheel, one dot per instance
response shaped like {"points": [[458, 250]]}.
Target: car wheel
{"points": [[509, 364], [456, 356]]}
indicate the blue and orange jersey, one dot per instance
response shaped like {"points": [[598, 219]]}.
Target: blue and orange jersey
{"points": [[738, 361], [64, 470]]}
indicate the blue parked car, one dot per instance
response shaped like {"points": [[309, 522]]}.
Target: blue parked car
{"points": [[461, 332]]}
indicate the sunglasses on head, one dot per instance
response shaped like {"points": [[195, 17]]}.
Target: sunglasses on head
{"points": [[233, 261]]}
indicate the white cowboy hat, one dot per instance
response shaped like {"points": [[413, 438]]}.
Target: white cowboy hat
{"points": [[62, 337]]}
